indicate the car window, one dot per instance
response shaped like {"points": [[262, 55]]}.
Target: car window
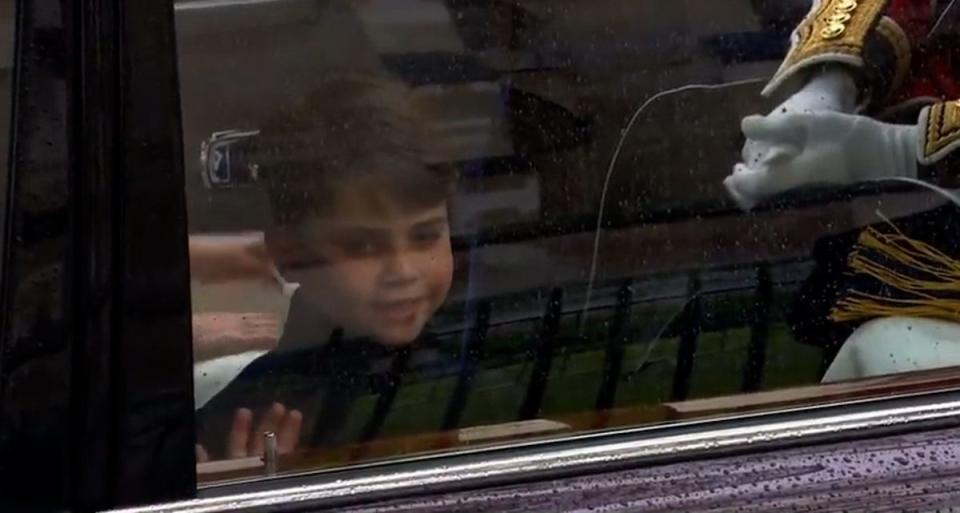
{"points": [[423, 225]]}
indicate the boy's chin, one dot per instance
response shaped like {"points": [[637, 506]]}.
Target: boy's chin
{"points": [[398, 337]]}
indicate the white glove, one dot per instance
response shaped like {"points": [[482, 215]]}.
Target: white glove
{"points": [[821, 148], [832, 89]]}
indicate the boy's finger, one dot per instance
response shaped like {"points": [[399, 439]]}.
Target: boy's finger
{"points": [[271, 421], [272, 418], [238, 439], [202, 455], [289, 435]]}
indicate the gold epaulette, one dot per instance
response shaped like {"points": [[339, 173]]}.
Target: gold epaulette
{"points": [[920, 279], [849, 32], [940, 124]]}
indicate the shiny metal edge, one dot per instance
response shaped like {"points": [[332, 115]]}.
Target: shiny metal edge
{"points": [[556, 461], [580, 438], [197, 5]]}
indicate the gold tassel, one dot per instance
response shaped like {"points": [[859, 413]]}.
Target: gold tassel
{"points": [[933, 274]]}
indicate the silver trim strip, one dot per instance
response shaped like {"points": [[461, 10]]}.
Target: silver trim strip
{"points": [[213, 4], [505, 468]]}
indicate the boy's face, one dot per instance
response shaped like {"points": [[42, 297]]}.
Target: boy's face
{"points": [[373, 267]]}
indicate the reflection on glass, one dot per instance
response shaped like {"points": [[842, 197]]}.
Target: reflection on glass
{"points": [[418, 225], [6, 81], [365, 235]]}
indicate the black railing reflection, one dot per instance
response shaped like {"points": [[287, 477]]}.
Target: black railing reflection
{"points": [[470, 362], [690, 326], [616, 348], [759, 331], [755, 282], [544, 351]]}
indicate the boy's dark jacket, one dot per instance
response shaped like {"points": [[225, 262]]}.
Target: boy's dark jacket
{"points": [[316, 371]]}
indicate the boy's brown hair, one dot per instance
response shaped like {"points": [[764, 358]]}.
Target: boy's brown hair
{"points": [[350, 129]]}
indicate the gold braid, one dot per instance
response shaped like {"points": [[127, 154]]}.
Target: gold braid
{"points": [[934, 272]]}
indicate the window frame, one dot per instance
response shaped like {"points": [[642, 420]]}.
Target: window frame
{"points": [[96, 113], [577, 455]]}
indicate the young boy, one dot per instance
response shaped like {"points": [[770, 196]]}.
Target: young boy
{"points": [[360, 222]]}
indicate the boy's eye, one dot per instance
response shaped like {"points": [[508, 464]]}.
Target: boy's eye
{"points": [[425, 237], [358, 247], [299, 254]]}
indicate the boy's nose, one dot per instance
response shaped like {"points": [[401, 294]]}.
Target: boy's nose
{"points": [[399, 269]]}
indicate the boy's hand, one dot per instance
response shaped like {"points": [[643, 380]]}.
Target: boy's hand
{"points": [[222, 333], [244, 442]]}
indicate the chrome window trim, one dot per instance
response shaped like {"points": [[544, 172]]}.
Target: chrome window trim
{"points": [[459, 470], [196, 5]]}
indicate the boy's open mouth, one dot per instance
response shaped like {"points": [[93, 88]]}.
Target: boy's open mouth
{"points": [[399, 310]]}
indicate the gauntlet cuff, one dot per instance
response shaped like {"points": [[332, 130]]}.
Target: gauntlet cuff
{"points": [[850, 32], [940, 131], [939, 141]]}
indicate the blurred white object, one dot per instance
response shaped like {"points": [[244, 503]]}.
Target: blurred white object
{"points": [[212, 376], [287, 288], [822, 147], [831, 90], [896, 344]]}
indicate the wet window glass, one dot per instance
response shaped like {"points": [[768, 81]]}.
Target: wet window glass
{"points": [[421, 225]]}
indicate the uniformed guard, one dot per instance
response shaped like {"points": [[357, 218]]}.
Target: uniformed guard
{"points": [[872, 95]]}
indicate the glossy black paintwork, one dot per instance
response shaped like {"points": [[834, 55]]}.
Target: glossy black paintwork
{"points": [[96, 379]]}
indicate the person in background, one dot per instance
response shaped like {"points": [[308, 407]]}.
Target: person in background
{"points": [[218, 258], [360, 221], [229, 258], [872, 93]]}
